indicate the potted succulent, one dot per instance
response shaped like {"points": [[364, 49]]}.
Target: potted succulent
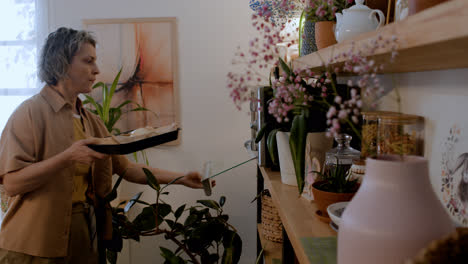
{"points": [[335, 185]]}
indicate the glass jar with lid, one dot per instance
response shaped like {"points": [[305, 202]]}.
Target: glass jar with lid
{"points": [[342, 155], [400, 134], [370, 123]]}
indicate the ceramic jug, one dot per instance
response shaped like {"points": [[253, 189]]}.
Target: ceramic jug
{"points": [[356, 20], [394, 215]]}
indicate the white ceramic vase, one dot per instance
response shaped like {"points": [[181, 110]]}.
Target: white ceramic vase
{"points": [[394, 214], [317, 145], [288, 174]]}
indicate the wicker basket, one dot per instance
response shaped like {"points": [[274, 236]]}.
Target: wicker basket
{"points": [[272, 228]]}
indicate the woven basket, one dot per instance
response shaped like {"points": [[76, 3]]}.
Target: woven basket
{"points": [[272, 228]]}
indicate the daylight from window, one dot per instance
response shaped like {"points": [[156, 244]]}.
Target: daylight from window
{"points": [[18, 54]]}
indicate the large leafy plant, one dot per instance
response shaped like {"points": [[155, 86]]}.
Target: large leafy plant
{"points": [[108, 114], [203, 236]]}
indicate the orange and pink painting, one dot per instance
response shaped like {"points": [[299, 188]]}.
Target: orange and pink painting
{"points": [[146, 51]]}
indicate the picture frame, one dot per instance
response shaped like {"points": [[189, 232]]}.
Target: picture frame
{"points": [[146, 52]]}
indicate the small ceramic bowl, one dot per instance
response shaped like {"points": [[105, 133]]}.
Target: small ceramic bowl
{"points": [[335, 211]]}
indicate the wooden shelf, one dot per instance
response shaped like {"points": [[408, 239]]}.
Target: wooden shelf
{"points": [[434, 39], [271, 250], [297, 214]]}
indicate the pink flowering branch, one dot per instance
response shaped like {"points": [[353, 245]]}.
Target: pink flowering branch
{"points": [[262, 52]]}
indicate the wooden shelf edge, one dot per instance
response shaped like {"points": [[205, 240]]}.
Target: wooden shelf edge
{"points": [[271, 250], [434, 39], [296, 213]]}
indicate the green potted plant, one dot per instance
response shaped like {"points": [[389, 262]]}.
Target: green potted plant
{"points": [[335, 184], [108, 114], [306, 102], [296, 111], [200, 237], [203, 236]]}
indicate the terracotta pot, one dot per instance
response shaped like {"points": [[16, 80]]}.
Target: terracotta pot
{"points": [[394, 214], [418, 5], [324, 34], [323, 199]]}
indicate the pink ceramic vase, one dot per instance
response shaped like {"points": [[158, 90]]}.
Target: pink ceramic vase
{"points": [[394, 214]]}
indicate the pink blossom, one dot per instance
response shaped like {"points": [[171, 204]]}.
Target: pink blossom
{"points": [[338, 99], [359, 103]]}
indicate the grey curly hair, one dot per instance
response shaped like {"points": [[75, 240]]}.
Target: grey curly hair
{"points": [[58, 51]]}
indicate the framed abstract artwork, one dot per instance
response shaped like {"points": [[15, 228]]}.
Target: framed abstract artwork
{"points": [[145, 49]]}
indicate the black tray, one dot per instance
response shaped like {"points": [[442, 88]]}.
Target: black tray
{"points": [[122, 149]]}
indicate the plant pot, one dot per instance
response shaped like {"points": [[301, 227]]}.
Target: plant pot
{"points": [[324, 34], [317, 144], [416, 6], [323, 199], [288, 174], [394, 214]]}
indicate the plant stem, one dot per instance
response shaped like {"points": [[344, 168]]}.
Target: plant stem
{"points": [[171, 236], [182, 246], [354, 128]]}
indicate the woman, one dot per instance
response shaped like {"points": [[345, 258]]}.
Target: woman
{"points": [[47, 168]]}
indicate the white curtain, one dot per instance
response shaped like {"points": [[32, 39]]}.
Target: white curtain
{"points": [[23, 28]]}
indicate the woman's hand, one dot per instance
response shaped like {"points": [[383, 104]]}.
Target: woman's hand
{"points": [[193, 180], [80, 152]]}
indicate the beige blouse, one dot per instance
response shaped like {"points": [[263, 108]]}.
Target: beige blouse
{"points": [[38, 222]]}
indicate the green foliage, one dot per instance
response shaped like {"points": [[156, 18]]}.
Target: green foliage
{"points": [[336, 179], [203, 236], [297, 144], [110, 115], [305, 118]]}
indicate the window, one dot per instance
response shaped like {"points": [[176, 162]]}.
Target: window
{"points": [[21, 28]]}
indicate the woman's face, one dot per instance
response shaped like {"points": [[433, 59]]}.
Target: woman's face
{"points": [[83, 69]]}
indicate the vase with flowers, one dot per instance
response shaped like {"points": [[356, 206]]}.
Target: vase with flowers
{"points": [[311, 102], [322, 13]]}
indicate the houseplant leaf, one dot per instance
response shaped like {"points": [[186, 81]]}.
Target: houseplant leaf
{"points": [[132, 202], [272, 147], [146, 220], [113, 194], [232, 247], [209, 203], [107, 99], [297, 144], [285, 67], [152, 181], [179, 211]]}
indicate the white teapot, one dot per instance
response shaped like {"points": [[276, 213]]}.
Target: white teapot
{"points": [[356, 20]]}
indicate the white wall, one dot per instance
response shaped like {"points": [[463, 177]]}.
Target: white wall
{"points": [[209, 31], [441, 98]]}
